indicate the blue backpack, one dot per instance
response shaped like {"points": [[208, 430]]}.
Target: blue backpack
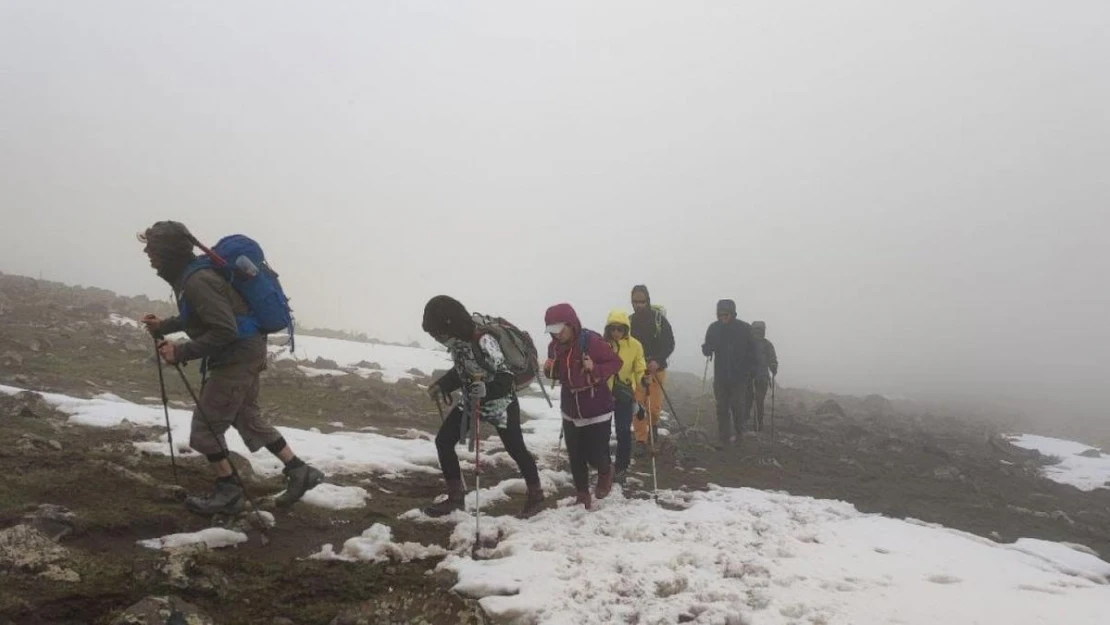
{"points": [[239, 259]]}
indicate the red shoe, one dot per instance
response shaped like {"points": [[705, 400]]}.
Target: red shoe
{"points": [[584, 499], [604, 484]]}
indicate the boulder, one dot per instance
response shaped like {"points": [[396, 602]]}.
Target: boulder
{"points": [[24, 549], [54, 522], [163, 610]]}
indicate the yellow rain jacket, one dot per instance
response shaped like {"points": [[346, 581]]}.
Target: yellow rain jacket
{"points": [[630, 350]]}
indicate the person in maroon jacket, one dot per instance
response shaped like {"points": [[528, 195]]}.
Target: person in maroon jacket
{"points": [[583, 362]]}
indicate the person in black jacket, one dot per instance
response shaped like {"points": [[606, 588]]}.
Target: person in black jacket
{"points": [[650, 327], [729, 342], [487, 385]]}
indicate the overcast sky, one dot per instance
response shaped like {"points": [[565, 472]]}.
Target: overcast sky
{"points": [[914, 196]]}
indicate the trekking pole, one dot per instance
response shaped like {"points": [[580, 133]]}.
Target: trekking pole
{"points": [[772, 414], [543, 387], [264, 536], [681, 428], [166, 410], [477, 479], [701, 398], [651, 439]]}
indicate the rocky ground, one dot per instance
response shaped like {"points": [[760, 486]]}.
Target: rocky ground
{"points": [[74, 501]]}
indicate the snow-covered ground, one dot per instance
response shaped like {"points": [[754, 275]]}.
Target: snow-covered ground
{"points": [[395, 361], [725, 556], [748, 556], [1082, 472]]}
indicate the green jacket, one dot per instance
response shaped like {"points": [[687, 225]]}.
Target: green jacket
{"points": [[211, 325]]}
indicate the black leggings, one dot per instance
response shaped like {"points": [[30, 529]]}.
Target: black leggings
{"points": [[511, 437], [587, 446]]}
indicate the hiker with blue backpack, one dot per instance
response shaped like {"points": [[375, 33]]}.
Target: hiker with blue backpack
{"points": [[492, 359], [228, 301], [583, 362]]}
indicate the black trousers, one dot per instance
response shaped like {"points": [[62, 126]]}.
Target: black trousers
{"points": [[732, 407], [511, 437], [587, 446]]}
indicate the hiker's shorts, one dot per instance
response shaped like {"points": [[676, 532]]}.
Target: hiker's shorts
{"points": [[229, 398]]}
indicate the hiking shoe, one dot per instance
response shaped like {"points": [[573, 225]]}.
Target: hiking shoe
{"points": [[583, 498], [620, 476], [604, 484], [226, 498], [298, 482], [534, 504], [456, 500]]}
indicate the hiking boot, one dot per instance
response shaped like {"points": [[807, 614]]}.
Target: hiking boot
{"points": [[226, 498], [604, 484], [456, 500], [620, 476], [584, 499], [534, 504], [298, 482], [641, 450]]}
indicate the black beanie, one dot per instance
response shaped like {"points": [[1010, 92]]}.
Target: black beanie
{"points": [[726, 306], [445, 315]]}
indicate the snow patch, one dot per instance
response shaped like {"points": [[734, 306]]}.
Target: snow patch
{"points": [[334, 497], [376, 545], [1081, 472], [749, 556], [213, 537]]}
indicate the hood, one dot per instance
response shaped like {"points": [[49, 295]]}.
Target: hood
{"points": [[563, 313], [618, 317], [759, 329], [445, 315], [726, 306], [172, 245]]}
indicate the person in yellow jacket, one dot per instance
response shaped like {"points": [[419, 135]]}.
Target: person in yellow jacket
{"points": [[623, 384]]}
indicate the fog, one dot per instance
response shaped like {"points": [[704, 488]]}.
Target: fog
{"points": [[913, 197]]}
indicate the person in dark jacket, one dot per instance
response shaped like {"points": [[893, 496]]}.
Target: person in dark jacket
{"points": [[767, 366], [487, 382], [583, 362], [649, 325], [729, 342], [232, 363]]}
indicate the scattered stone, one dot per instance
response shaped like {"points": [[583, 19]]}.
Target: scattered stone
{"points": [[24, 549], [413, 607], [324, 363], [947, 473], [26, 404], [1090, 453], [11, 359], [53, 521], [164, 610], [829, 408], [55, 445], [166, 492], [416, 372], [181, 570], [364, 364]]}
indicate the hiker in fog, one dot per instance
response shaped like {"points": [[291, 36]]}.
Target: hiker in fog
{"points": [[231, 361], [730, 344], [583, 362], [649, 325], [766, 366], [481, 372], [624, 384]]}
